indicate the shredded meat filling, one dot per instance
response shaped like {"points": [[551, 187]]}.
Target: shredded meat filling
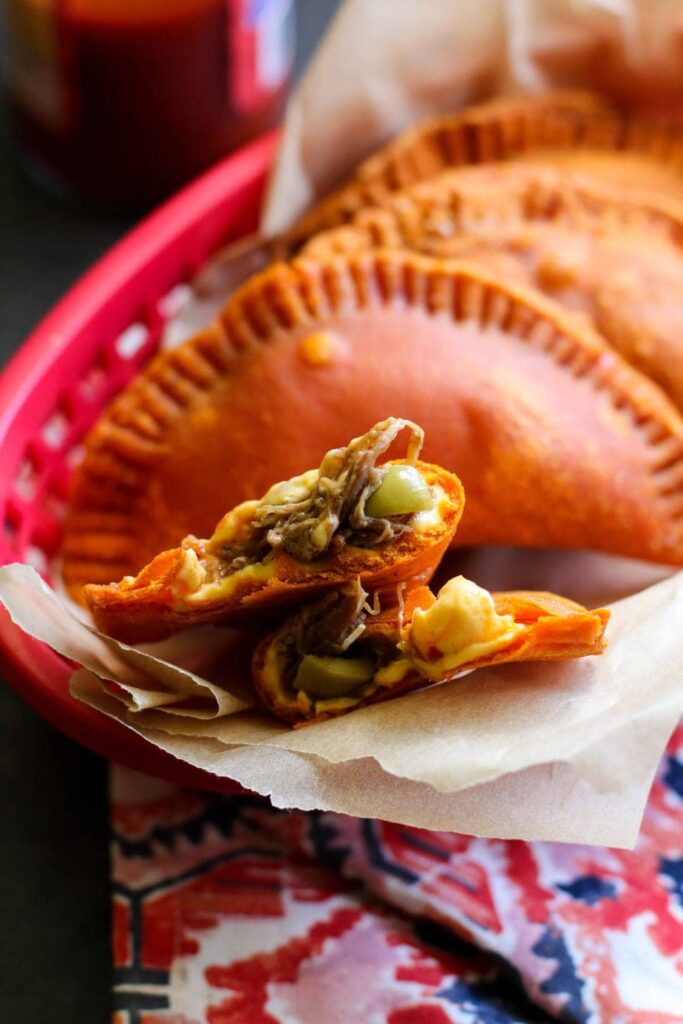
{"points": [[331, 626], [333, 513]]}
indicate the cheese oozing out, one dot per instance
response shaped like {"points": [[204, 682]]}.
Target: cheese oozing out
{"points": [[462, 625]]}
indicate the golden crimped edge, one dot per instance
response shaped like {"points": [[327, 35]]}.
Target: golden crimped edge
{"points": [[495, 131], [455, 201]]}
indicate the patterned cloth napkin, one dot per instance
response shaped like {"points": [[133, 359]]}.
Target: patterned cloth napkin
{"points": [[227, 911]]}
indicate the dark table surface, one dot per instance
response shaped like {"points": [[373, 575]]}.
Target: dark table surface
{"points": [[54, 891]]}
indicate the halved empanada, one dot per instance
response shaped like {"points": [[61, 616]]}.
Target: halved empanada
{"points": [[614, 255], [340, 653], [557, 440], [386, 524], [572, 129]]}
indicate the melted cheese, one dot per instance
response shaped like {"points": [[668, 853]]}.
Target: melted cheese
{"points": [[461, 626], [233, 525], [392, 673], [432, 518], [222, 587], [291, 491], [191, 574]]}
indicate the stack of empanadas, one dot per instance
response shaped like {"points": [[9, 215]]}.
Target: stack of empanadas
{"points": [[563, 129], [526, 311], [348, 549], [617, 256]]}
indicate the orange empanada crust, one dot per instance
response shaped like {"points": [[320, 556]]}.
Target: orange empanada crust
{"points": [[557, 629], [615, 255], [151, 609], [557, 440], [572, 129]]}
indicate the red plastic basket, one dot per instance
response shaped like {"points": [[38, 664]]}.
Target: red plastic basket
{"points": [[84, 351]]}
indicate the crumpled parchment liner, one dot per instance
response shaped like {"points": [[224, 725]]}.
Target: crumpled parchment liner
{"points": [[148, 676], [545, 802], [593, 727]]}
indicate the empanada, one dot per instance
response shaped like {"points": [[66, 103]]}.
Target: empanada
{"points": [[558, 441], [338, 654], [386, 524], [616, 255], [571, 129]]}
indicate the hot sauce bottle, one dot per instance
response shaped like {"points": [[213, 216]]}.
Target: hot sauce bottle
{"points": [[123, 101]]}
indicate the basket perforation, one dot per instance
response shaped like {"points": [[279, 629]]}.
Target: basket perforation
{"points": [[37, 499], [12, 520]]}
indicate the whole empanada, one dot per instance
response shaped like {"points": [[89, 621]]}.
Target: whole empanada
{"points": [[558, 441]]}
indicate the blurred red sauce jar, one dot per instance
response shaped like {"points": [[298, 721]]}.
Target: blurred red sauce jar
{"points": [[123, 101]]}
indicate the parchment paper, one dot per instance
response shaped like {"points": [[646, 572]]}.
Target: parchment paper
{"points": [[561, 751], [555, 751]]}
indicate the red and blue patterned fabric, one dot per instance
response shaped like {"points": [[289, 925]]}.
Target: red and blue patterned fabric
{"points": [[228, 911]]}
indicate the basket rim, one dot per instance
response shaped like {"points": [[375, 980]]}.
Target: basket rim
{"points": [[34, 670]]}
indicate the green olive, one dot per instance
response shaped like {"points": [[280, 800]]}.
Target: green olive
{"points": [[403, 490], [332, 677]]}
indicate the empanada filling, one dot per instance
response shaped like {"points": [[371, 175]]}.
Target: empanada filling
{"points": [[349, 500], [334, 654], [463, 624]]}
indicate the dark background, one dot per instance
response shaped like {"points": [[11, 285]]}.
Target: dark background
{"points": [[54, 891]]}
